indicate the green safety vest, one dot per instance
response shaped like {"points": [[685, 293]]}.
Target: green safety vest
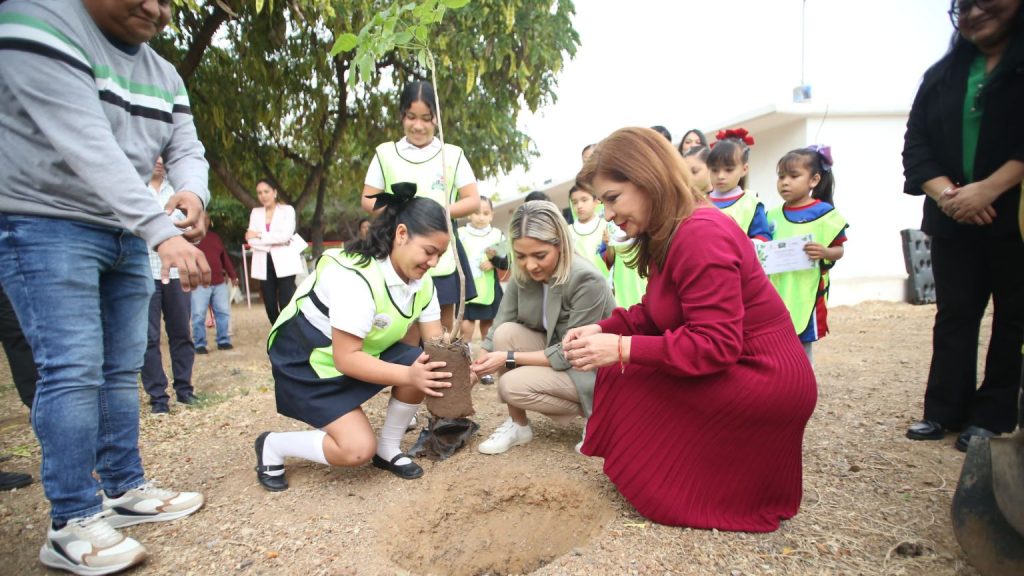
{"points": [[389, 323], [799, 288], [629, 286], [742, 210], [429, 184], [476, 245], [588, 244]]}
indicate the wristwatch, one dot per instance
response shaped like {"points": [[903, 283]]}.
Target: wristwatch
{"points": [[510, 361]]}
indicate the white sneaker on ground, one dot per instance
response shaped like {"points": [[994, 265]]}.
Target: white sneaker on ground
{"points": [[149, 503], [583, 438], [506, 436], [90, 546]]}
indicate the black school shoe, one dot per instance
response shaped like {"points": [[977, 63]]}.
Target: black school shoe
{"points": [[270, 483], [964, 439], [187, 398], [926, 430], [410, 471]]}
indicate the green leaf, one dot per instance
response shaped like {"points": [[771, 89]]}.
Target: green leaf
{"points": [[455, 4], [403, 38], [259, 6], [344, 43]]}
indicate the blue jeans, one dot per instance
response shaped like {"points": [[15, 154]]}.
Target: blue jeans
{"points": [[219, 295], [82, 293]]}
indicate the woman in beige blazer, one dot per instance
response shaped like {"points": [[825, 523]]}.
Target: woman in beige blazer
{"points": [[271, 227], [551, 291]]}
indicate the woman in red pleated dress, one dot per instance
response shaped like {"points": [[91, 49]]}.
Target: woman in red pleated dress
{"points": [[703, 389]]}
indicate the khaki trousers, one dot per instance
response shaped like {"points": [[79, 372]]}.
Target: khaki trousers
{"points": [[535, 388]]}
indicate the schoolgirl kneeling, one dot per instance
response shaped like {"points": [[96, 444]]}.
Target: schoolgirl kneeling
{"points": [[343, 338]]}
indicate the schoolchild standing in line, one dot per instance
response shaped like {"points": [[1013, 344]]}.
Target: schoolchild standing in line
{"points": [[345, 337], [589, 235], [727, 163], [806, 184], [696, 158], [441, 173], [487, 252]]}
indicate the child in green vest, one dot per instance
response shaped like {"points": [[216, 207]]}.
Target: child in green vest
{"points": [[441, 173], [487, 252], [588, 232], [806, 185], [344, 337], [728, 165]]}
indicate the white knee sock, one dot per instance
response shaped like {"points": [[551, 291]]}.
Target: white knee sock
{"points": [[308, 445], [395, 423]]}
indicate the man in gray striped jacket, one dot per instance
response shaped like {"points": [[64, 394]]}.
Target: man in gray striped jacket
{"points": [[86, 107]]}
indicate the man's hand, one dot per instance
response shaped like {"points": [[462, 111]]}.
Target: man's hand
{"points": [[194, 225], [176, 252]]}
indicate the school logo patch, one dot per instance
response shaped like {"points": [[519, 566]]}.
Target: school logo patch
{"points": [[381, 321]]}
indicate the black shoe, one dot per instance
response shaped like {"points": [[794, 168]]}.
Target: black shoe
{"points": [[271, 483], [225, 347], [187, 398], [410, 471], [12, 480], [926, 430], [160, 408], [964, 439], [201, 350]]}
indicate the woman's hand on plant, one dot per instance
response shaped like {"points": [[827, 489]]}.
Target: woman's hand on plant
{"points": [[580, 332], [486, 265], [488, 363], [424, 376], [593, 351]]}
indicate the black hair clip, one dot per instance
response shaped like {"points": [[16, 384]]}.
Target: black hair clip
{"points": [[401, 193]]}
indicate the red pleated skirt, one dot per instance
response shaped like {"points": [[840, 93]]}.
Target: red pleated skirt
{"points": [[722, 451]]}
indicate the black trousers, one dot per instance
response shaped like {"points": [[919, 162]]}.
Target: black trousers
{"points": [[19, 354], [175, 306], [968, 271], [277, 292]]}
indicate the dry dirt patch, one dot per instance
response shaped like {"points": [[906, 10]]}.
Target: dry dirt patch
{"points": [[508, 523]]}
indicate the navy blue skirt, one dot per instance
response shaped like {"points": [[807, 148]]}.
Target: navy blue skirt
{"points": [[448, 286], [488, 311], [302, 394]]}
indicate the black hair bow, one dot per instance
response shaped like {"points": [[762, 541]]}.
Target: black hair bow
{"points": [[401, 193]]}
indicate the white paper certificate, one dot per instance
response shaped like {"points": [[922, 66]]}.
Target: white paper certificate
{"points": [[784, 255]]}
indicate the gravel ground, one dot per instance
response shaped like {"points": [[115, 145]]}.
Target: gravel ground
{"points": [[874, 502]]}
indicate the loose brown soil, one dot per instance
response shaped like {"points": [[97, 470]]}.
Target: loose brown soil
{"points": [[874, 502]]}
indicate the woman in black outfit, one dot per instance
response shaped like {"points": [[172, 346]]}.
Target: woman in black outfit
{"points": [[964, 150]]}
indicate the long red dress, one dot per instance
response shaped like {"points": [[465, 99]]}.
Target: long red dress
{"points": [[705, 427]]}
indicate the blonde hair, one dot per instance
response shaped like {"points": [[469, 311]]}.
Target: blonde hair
{"points": [[542, 221], [645, 159]]}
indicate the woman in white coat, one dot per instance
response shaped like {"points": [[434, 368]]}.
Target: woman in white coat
{"points": [[271, 227]]}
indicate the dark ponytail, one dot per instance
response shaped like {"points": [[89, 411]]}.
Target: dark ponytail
{"points": [[420, 215]]}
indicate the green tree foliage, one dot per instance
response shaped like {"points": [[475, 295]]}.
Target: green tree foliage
{"points": [[269, 99]]}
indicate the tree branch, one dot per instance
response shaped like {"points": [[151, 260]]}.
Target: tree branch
{"points": [[201, 41], [233, 185]]}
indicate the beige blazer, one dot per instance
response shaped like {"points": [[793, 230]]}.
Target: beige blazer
{"points": [[584, 299], [274, 242]]}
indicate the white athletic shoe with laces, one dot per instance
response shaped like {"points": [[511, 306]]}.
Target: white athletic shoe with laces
{"points": [[506, 436], [150, 503], [90, 547]]}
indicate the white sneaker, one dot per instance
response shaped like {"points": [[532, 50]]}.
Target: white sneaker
{"points": [[506, 436], [90, 546], [583, 438], [149, 503]]}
